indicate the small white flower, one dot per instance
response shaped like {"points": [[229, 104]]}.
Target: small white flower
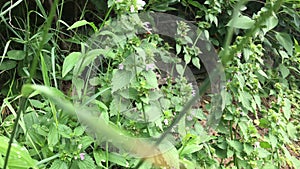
{"points": [[166, 121], [132, 8], [119, 1], [140, 4]]}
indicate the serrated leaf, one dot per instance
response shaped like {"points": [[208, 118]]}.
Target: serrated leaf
{"points": [[59, 164], [16, 54], [151, 79], [69, 62], [64, 130], [236, 145], [78, 131], [86, 163], [121, 78]]}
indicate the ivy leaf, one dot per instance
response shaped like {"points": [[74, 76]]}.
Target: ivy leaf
{"points": [[285, 40], [121, 78]]}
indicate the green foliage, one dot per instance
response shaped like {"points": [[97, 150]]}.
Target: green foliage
{"points": [[126, 98]]}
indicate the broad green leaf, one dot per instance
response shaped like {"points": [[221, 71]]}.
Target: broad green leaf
{"points": [[121, 78], [78, 131], [287, 108], [292, 131], [241, 22], [269, 166], [187, 163], [19, 157], [263, 153], [170, 157], [86, 60], [284, 71], [86, 163], [59, 164], [78, 24], [151, 79], [64, 130], [16, 54], [179, 69], [36, 103], [112, 157], [69, 62], [285, 40], [189, 149], [270, 23], [196, 62], [244, 128], [187, 58], [236, 145], [7, 65], [245, 98], [195, 4], [53, 135], [295, 161], [248, 149], [261, 72]]}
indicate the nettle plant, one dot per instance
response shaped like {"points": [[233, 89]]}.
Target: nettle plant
{"points": [[139, 86], [258, 125]]}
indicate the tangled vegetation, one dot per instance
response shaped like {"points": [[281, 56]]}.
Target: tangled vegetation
{"points": [[94, 84]]}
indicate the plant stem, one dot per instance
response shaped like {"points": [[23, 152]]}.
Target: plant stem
{"points": [[23, 102], [48, 159]]}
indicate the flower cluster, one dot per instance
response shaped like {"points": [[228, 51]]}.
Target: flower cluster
{"points": [[130, 5]]}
